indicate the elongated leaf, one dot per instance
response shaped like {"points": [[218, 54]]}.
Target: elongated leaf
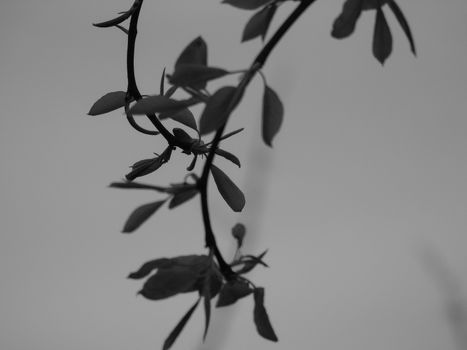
{"points": [[273, 113], [145, 167], [183, 116], [182, 197], [117, 20], [194, 74], [135, 185], [247, 4], [168, 282], [216, 111], [149, 267], [344, 25], [157, 104], [182, 135], [196, 52], [207, 302], [179, 327], [259, 23], [403, 23], [140, 215], [228, 156], [261, 318], [229, 191], [233, 291], [249, 263], [239, 232], [382, 38], [108, 103]]}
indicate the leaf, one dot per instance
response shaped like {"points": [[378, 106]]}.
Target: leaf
{"points": [[195, 53], [251, 263], [117, 20], [344, 25], [228, 190], [157, 104], [108, 103], [144, 167], [273, 113], [382, 38], [183, 116], [239, 232], [195, 74], [403, 23], [140, 215], [261, 318], [259, 23], [217, 110], [150, 266], [207, 302], [228, 156], [233, 291], [182, 197], [246, 4], [179, 327], [182, 136], [135, 185]]}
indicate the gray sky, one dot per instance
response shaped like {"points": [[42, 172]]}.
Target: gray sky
{"points": [[366, 175]]}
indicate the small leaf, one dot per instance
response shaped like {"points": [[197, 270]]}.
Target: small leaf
{"points": [[239, 232], [403, 23], [217, 110], [117, 20], [182, 197], [140, 215], [195, 74], [246, 4], [228, 156], [149, 267], [228, 190], [261, 318], [182, 136], [382, 38], [259, 23], [135, 185], [249, 263], [179, 327], [183, 116], [207, 302], [195, 53], [169, 282], [273, 113], [157, 104], [233, 291], [108, 103], [144, 167], [344, 25]]}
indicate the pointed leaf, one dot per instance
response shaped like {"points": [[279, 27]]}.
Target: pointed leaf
{"points": [[246, 4], [259, 23], [261, 318], [207, 302], [182, 197], [382, 38], [228, 156], [228, 190], [183, 116], [273, 113], [135, 185], [157, 104], [403, 23], [108, 103], [344, 25], [239, 232], [233, 291], [182, 135], [216, 111], [117, 20], [195, 53], [140, 215], [144, 167], [179, 327], [195, 74], [149, 267], [249, 263]]}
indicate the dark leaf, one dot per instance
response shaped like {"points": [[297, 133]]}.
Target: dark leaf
{"points": [[195, 74], [261, 318], [273, 113], [228, 156], [182, 197], [150, 266], [230, 134], [168, 282], [207, 302], [179, 327], [147, 166], [238, 232], [157, 104], [249, 263], [195, 53], [140, 215], [162, 83], [183, 116], [182, 136], [196, 262], [259, 23], [382, 38], [247, 4], [217, 110], [233, 291], [403, 23], [228, 190], [344, 25], [135, 185], [117, 20], [108, 103]]}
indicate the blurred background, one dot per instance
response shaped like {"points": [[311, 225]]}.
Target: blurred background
{"points": [[361, 202]]}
